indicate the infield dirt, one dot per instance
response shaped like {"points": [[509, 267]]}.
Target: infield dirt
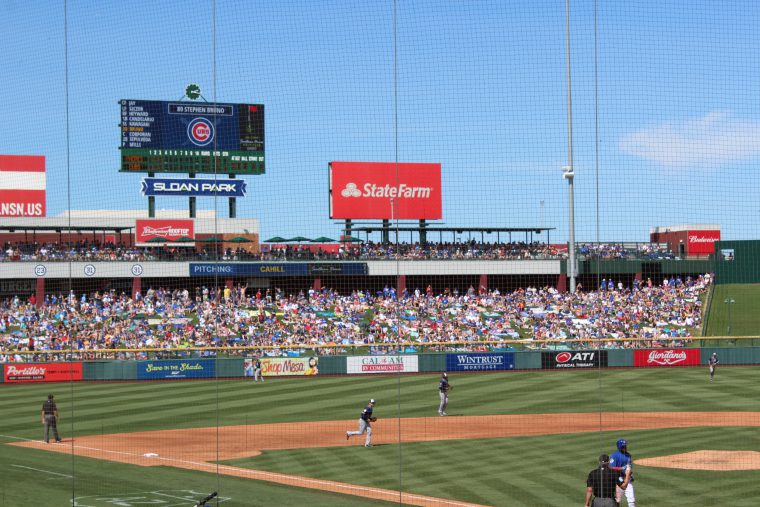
{"points": [[198, 448]]}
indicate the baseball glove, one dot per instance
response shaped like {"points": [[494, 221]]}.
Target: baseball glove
{"points": [[451, 388], [372, 419]]}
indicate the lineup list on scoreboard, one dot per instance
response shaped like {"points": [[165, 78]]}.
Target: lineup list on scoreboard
{"points": [[136, 125]]}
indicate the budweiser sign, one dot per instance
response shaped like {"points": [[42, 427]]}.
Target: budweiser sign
{"points": [[666, 357], [701, 242], [42, 372], [385, 190], [146, 231]]}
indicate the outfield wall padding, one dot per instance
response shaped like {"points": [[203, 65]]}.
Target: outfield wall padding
{"points": [[332, 365]]}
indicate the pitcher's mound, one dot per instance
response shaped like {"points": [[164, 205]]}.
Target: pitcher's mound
{"points": [[723, 461]]}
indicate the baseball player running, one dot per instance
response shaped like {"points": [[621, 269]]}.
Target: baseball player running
{"points": [[365, 424], [622, 462], [713, 363], [443, 391]]}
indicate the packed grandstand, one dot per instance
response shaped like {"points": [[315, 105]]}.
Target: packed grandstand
{"points": [[646, 314]]}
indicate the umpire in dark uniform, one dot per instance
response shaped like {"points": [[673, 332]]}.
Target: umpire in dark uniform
{"points": [[601, 483], [50, 419]]}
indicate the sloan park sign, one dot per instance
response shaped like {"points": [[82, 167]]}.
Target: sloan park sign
{"points": [[193, 187]]}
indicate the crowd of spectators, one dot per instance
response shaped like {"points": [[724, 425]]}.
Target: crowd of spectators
{"points": [[660, 314], [90, 252]]}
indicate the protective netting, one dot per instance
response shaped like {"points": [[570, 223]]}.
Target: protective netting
{"points": [[235, 232]]}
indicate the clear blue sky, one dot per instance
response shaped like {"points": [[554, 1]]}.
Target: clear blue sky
{"points": [[480, 88]]}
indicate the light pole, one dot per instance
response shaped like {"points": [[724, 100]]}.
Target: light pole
{"points": [[568, 174], [567, 171], [730, 302]]}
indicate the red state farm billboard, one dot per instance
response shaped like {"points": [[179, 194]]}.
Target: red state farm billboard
{"points": [[42, 372], [701, 242], [170, 231], [666, 357], [22, 186], [385, 190]]}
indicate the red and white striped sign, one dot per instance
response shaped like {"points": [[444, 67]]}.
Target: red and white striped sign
{"points": [[22, 186]]}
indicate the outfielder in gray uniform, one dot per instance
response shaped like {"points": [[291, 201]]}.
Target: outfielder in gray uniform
{"points": [[365, 424], [257, 370], [443, 391]]}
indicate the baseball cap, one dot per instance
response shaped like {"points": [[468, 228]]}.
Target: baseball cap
{"points": [[604, 459], [445, 374], [622, 443], [372, 400]]}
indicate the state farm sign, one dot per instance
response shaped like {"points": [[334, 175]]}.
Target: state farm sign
{"points": [[42, 372], [666, 357], [701, 242], [169, 231], [385, 190]]}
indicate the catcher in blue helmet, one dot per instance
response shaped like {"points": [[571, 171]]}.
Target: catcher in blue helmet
{"points": [[622, 462]]}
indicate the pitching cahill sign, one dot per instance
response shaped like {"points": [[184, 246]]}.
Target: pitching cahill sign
{"points": [[385, 190]]}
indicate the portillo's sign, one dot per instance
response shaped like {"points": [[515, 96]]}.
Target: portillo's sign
{"points": [[574, 359], [42, 372], [385, 190], [666, 357]]}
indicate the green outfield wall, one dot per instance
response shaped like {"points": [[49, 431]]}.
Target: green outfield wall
{"points": [[507, 360]]}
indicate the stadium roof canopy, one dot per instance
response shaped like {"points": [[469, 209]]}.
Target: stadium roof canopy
{"points": [[528, 231], [62, 228]]}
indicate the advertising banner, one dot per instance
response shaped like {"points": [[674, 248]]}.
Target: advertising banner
{"points": [[176, 368], [289, 366], [702, 242], [666, 357], [338, 268], [385, 190], [480, 362], [22, 186], [158, 232], [249, 269], [42, 372], [574, 359], [193, 187], [382, 364]]}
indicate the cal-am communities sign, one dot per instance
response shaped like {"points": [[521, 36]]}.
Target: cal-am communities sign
{"points": [[179, 368], [574, 359], [284, 366], [42, 372], [480, 362], [666, 357], [150, 232], [382, 364]]}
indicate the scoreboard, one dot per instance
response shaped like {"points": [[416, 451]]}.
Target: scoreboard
{"points": [[191, 137]]}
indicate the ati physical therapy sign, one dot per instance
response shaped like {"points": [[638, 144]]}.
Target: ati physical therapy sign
{"points": [[22, 186], [193, 187], [385, 190]]}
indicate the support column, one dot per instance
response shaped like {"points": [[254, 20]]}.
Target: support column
{"points": [[317, 285], [39, 293], [483, 283], [562, 282], [136, 286], [400, 285], [386, 234]]}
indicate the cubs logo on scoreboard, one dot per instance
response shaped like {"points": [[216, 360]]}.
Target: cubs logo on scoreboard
{"points": [[200, 131]]}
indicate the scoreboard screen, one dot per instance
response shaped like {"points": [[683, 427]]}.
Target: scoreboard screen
{"points": [[191, 137]]}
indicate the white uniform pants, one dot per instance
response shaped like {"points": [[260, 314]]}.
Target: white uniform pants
{"points": [[444, 402], [630, 496], [257, 375], [363, 426]]}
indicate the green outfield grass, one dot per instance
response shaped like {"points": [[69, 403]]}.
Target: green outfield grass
{"points": [[506, 471], [745, 317]]}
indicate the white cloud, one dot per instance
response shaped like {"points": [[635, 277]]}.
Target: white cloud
{"points": [[716, 139]]}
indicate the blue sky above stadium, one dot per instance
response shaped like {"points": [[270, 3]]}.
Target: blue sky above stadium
{"points": [[479, 87]]}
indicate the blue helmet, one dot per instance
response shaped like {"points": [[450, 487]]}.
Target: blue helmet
{"points": [[622, 443]]}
